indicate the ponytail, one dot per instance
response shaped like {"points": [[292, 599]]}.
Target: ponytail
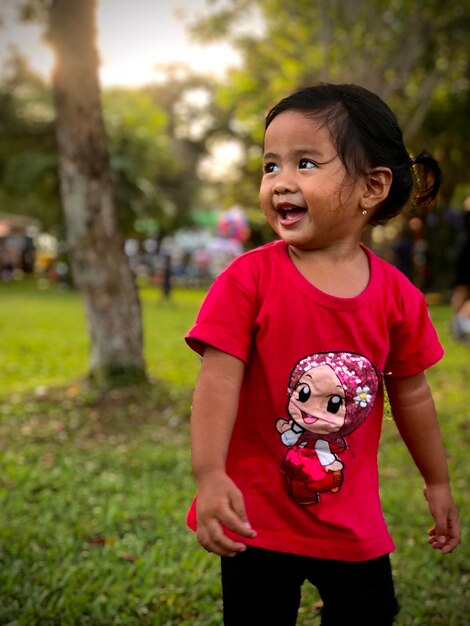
{"points": [[418, 179], [427, 180]]}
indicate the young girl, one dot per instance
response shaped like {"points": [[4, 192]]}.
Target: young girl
{"points": [[296, 338]]}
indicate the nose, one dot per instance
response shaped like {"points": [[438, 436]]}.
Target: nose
{"points": [[284, 184]]}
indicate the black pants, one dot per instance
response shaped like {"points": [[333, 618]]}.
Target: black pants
{"points": [[261, 587]]}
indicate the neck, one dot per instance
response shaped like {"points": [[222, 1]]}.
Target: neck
{"points": [[344, 252], [342, 272]]}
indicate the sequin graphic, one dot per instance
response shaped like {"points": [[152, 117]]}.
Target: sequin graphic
{"points": [[330, 394]]}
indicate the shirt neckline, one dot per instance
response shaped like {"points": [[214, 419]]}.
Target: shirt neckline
{"points": [[335, 302]]}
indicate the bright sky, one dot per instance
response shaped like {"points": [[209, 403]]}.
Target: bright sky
{"points": [[133, 38]]}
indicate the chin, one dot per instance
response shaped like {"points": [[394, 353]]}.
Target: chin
{"points": [[300, 245]]}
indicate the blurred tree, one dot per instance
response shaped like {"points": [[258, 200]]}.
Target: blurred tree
{"points": [[154, 148], [139, 146], [99, 264], [447, 130], [157, 137], [28, 161], [192, 119], [414, 55]]}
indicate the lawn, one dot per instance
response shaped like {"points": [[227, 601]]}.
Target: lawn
{"points": [[94, 489]]}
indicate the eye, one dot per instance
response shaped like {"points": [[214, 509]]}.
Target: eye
{"points": [[304, 393], [306, 164], [334, 404], [270, 167]]}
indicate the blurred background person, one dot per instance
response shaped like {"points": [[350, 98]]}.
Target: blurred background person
{"points": [[461, 292]]}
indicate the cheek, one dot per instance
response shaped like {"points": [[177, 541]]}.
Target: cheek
{"points": [[265, 195], [331, 422], [338, 419], [294, 411]]}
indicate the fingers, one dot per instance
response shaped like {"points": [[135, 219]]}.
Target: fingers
{"points": [[445, 534], [446, 538], [213, 539], [236, 518], [227, 513], [445, 544]]}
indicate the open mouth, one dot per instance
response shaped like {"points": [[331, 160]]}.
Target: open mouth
{"points": [[290, 214], [308, 419]]}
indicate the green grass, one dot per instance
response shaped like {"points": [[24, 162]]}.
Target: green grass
{"points": [[94, 489], [45, 341]]}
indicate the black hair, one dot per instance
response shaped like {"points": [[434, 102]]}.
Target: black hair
{"points": [[366, 134]]}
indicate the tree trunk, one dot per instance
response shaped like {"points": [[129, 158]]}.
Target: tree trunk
{"points": [[99, 264]]}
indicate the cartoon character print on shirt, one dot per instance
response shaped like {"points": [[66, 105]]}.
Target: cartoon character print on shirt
{"points": [[330, 395]]}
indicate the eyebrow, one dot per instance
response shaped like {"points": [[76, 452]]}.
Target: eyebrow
{"points": [[296, 152]]}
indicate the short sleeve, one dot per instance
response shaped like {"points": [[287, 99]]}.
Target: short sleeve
{"points": [[414, 344], [226, 320]]}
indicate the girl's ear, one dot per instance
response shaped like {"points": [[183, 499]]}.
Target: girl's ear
{"points": [[378, 184]]}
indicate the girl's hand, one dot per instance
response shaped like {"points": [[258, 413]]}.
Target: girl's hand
{"points": [[445, 534], [219, 501]]}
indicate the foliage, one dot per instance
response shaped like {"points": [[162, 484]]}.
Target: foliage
{"points": [[445, 123], [187, 100], [28, 162], [158, 136], [413, 55], [139, 148], [152, 142], [95, 488]]}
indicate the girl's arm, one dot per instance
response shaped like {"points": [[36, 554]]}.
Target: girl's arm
{"points": [[415, 414], [219, 501]]}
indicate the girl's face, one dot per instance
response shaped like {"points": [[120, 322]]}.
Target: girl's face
{"points": [[306, 194], [317, 403]]}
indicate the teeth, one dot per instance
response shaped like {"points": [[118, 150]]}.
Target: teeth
{"points": [[289, 207]]}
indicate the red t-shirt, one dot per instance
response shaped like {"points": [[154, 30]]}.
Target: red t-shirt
{"points": [[304, 446]]}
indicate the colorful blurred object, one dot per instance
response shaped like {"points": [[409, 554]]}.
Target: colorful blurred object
{"points": [[233, 224]]}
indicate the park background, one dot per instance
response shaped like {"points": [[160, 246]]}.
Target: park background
{"points": [[95, 478]]}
